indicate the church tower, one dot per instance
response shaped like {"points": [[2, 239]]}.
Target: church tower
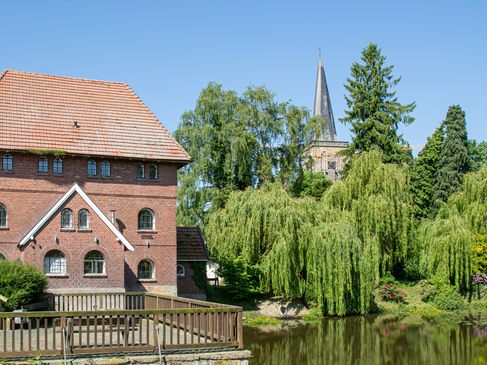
{"points": [[325, 149]]}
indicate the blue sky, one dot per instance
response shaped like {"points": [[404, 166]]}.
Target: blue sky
{"points": [[169, 50]]}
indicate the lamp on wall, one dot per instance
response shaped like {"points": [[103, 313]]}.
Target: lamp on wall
{"points": [[97, 241], [56, 240]]}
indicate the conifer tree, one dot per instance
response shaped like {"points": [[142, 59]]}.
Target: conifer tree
{"points": [[454, 159], [374, 112], [424, 172]]}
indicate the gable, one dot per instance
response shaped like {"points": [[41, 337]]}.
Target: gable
{"points": [[57, 206]]}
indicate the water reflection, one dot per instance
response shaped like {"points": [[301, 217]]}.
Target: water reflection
{"points": [[371, 340]]}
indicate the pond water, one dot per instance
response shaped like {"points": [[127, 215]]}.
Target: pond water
{"points": [[371, 340]]}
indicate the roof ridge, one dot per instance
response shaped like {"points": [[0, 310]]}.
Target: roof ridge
{"points": [[2, 74], [64, 77], [156, 120]]}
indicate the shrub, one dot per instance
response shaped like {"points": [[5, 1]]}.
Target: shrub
{"points": [[390, 293], [479, 250], [442, 295], [20, 283], [240, 279]]}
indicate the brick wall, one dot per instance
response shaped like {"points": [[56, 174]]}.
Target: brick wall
{"points": [[186, 284], [28, 195]]}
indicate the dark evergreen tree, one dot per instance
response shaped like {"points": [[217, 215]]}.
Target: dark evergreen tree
{"points": [[477, 153], [374, 112], [424, 172], [454, 159]]}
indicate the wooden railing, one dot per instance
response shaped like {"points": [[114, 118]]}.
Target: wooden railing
{"points": [[122, 322]]}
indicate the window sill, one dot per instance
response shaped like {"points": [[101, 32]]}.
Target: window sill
{"points": [[7, 171], [57, 175], [146, 231], [68, 230], [92, 177], [148, 280], [4, 228], [95, 275], [85, 230], [60, 276], [42, 173]]}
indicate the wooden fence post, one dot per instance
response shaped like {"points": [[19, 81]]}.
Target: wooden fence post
{"points": [[240, 330]]}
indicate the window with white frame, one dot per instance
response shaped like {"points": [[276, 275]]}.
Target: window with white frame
{"points": [[140, 172], [83, 219], [66, 218], [43, 165], [146, 220], [55, 263], [153, 173], [7, 163], [105, 169], [57, 166], [91, 168], [180, 271], [94, 263], [145, 269], [3, 216]]}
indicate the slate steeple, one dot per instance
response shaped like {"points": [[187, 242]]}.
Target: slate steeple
{"points": [[322, 106]]}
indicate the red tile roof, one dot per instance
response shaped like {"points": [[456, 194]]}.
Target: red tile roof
{"points": [[41, 112], [191, 245]]}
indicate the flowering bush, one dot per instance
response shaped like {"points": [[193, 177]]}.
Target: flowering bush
{"points": [[479, 281], [390, 293]]}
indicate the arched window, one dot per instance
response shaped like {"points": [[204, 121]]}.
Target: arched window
{"points": [[145, 270], [105, 168], [153, 173], [83, 219], [7, 163], [146, 220], [91, 168], [94, 263], [55, 263], [43, 165], [140, 173], [57, 166], [2, 257], [67, 218], [3, 216], [180, 271]]}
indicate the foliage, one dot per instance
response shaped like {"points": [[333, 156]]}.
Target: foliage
{"points": [[315, 314], [454, 160], [331, 253], [238, 142], [313, 184], [240, 278], [257, 321], [199, 275], [423, 174], [378, 196], [477, 153], [479, 284], [374, 112], [390, 293], [20, 283], [446, 250], [447, 297], [479, 248], [42, 152]]}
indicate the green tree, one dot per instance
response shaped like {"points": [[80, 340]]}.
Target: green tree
{"points": [[423, 174], [477, 152], [238, 142], [312, 184], [454, 159], [374, 112]]}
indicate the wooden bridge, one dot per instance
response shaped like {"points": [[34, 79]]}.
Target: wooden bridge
{"points": [[93, 323]]}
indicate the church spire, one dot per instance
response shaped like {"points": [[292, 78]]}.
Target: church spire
{"points": [[322, 105]]}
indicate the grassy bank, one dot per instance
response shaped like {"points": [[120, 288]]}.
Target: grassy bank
{"points": [[421, 300]]}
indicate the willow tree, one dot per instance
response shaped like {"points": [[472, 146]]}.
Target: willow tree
{"points": [[446, 241], [378, 197], [301, 250]]}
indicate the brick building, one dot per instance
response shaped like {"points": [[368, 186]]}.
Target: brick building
{"points": [[87, 185]]}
